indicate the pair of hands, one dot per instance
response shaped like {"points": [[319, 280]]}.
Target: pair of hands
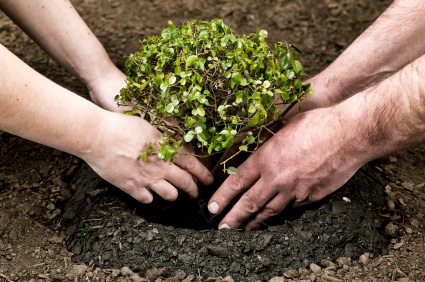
{"points": [[302, 163]]}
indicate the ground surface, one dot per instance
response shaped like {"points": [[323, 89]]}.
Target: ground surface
{"points": [[34, 179]]}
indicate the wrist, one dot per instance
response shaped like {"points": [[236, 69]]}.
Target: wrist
{"points": [[331, 87], [105, 86]]}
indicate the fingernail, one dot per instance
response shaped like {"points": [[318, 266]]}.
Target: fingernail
{"points": [[210, 180], [224, 226], [213, 207]]}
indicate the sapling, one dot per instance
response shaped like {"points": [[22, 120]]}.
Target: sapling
{"points": [[204, 85]]}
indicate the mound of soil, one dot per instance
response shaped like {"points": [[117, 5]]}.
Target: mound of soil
{"points": [[109, 229]]}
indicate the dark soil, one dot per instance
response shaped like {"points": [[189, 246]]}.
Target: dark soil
{"points": [[35, 181], [179, 236]]}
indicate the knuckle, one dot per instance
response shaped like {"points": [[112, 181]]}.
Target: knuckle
{"points": [[170, 195], [186, 181], [249, 204], [270, 211], [142, 195], [234, 222], [235, 182], [302, 197], [190, 163]]}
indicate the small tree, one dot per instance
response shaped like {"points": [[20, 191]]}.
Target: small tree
{"points": [[204, 85]]}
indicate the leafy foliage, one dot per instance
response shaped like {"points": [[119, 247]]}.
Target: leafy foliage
{"points": [[204, 85]]}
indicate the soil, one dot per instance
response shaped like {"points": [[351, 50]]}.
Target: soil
{"points": [[36, 182], [105, 230]]}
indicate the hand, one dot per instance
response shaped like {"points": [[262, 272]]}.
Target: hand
{"points": [[306, 160], [115, 156], [104, 89], [318, 100]]}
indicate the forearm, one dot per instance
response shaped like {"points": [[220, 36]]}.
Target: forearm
{"points": [[60, 31], [387, 117], [390, 43], [33, 107]]}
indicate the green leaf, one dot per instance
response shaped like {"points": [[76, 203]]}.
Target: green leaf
{"points": [[172, 80], [174, 99], [201, 111], [228, 143], [284, 61], [296, 49], [250, 139], [150, 148], [161, 155], [198, 129], [167, 153], [169, 108], [290, 74], [296, 66], [284, 95], [231, 170], [266, 84], [224, 132], [158, 81], [236, 78], [143, 157], [190, 60], [263, 33], [163, 86], [243, 148], [143, 86], [189, 136], [252, 109]]}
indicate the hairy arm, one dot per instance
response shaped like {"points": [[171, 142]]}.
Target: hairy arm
{"points": [[57, 28], [319, 150], [390, 43]]}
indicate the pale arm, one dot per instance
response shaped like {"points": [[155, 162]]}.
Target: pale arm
{"points": [[33, 107], [319, 150], [57, 28]]}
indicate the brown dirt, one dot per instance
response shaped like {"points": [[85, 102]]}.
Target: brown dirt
{"points": [[34, 179]]}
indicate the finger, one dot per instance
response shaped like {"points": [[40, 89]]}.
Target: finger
{"points": [[249, 204], [180, 178], [245, 177], [142, 195], [195, 168], [165, 190], [274, 207]]}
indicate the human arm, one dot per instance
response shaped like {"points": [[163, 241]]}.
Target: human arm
{"points": [[57, 28], [391, 42], [319, 150], [35, 108]]}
